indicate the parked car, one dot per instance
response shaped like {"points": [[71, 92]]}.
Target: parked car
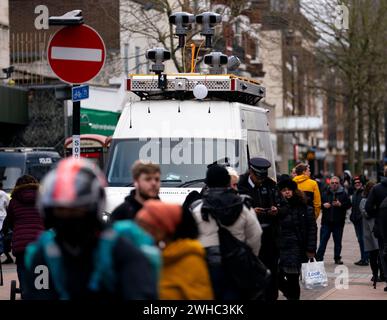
{"points": [[15, 162]]}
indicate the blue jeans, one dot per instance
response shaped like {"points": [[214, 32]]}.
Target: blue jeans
{"points": [[325, 234], [359, 234]]}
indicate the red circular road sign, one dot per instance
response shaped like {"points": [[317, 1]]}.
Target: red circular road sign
{"points": [[76, 54]]}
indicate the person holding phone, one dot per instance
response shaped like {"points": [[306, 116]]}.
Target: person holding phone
{"points": [[335, 202], [263, 191]]}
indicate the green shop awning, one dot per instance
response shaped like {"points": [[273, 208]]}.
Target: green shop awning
{"points": [[98, 122]]}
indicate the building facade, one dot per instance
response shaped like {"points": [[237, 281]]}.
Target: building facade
{"points": [[286, 49], [4, 35]]}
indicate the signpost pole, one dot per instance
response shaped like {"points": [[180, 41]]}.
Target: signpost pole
{"points": [[76, 128], [385, 135], [76, 55]]}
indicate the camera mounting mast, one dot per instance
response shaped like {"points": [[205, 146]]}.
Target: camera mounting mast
{"points": [[158, 56], [188, 86], [183, 22], [208, 20]]}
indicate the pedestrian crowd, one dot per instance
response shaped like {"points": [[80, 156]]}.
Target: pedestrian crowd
{"points": [[241, 237]]}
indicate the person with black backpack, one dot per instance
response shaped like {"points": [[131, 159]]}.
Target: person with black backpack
{"points": [[298, 236], [231, 235]]}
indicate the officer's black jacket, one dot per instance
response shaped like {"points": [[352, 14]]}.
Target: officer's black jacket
{"points": [[264, 196]]}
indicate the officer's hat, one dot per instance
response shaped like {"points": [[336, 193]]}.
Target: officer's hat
{"points": [[260, 166]]}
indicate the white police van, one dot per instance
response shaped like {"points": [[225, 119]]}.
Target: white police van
{"points": [[185, 122]]}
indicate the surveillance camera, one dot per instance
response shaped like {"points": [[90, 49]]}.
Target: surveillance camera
{"points": [[233, 63], [216, 61], [183, 21], [70, 18], [158, 55], [208, 20], [8, 71]]}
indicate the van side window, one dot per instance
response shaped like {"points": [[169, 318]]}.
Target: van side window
{"points": [[260, 145], [254, 140]]}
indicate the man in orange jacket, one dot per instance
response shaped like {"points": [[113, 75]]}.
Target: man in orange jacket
{"points": [[309, 187]]}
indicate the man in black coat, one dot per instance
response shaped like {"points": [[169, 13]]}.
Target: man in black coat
{"points": [[335, 202], [357, 220], [264, 194], [146, 177], [375, 198], [298, 237]]}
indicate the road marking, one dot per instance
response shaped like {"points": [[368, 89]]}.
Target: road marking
{"points": [[351, 275], [326, 294], [79, 54]]}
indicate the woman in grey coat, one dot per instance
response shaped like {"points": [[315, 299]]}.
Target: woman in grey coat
{"points": [[370, 241]]}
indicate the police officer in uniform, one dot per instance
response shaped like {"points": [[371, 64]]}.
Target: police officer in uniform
{"points": [[264, 194]]}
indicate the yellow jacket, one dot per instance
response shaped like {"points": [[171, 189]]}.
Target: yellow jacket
{"points": [[184, 275], [311, 190]]}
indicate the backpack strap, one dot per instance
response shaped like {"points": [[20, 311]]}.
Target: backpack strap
{"points": [[54, 259], [103, 261], [219, 224], [195, 204], [247, 200]]}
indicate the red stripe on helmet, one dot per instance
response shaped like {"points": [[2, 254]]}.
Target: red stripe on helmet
{"points": [[65, 188]]}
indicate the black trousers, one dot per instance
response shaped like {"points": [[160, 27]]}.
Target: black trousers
{"points": [[21, 274], [374, 262], [383, 261], [289, 284]]}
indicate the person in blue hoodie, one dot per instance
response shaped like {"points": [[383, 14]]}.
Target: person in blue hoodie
{"points": [[84, 261]]}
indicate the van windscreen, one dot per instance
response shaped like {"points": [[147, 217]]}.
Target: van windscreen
{"points": [[181, 160], [39, 166]]}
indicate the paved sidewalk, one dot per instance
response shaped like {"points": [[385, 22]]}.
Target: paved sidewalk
{"points": [[359, 286], [9, 274]]}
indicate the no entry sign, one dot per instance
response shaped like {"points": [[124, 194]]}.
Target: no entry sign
{"points": [[76, 54]]}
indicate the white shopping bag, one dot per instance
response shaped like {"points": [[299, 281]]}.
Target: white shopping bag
{"points": [[314, 275]]}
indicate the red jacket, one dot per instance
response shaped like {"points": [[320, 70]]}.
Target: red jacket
{"points": [[23, 217]]}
